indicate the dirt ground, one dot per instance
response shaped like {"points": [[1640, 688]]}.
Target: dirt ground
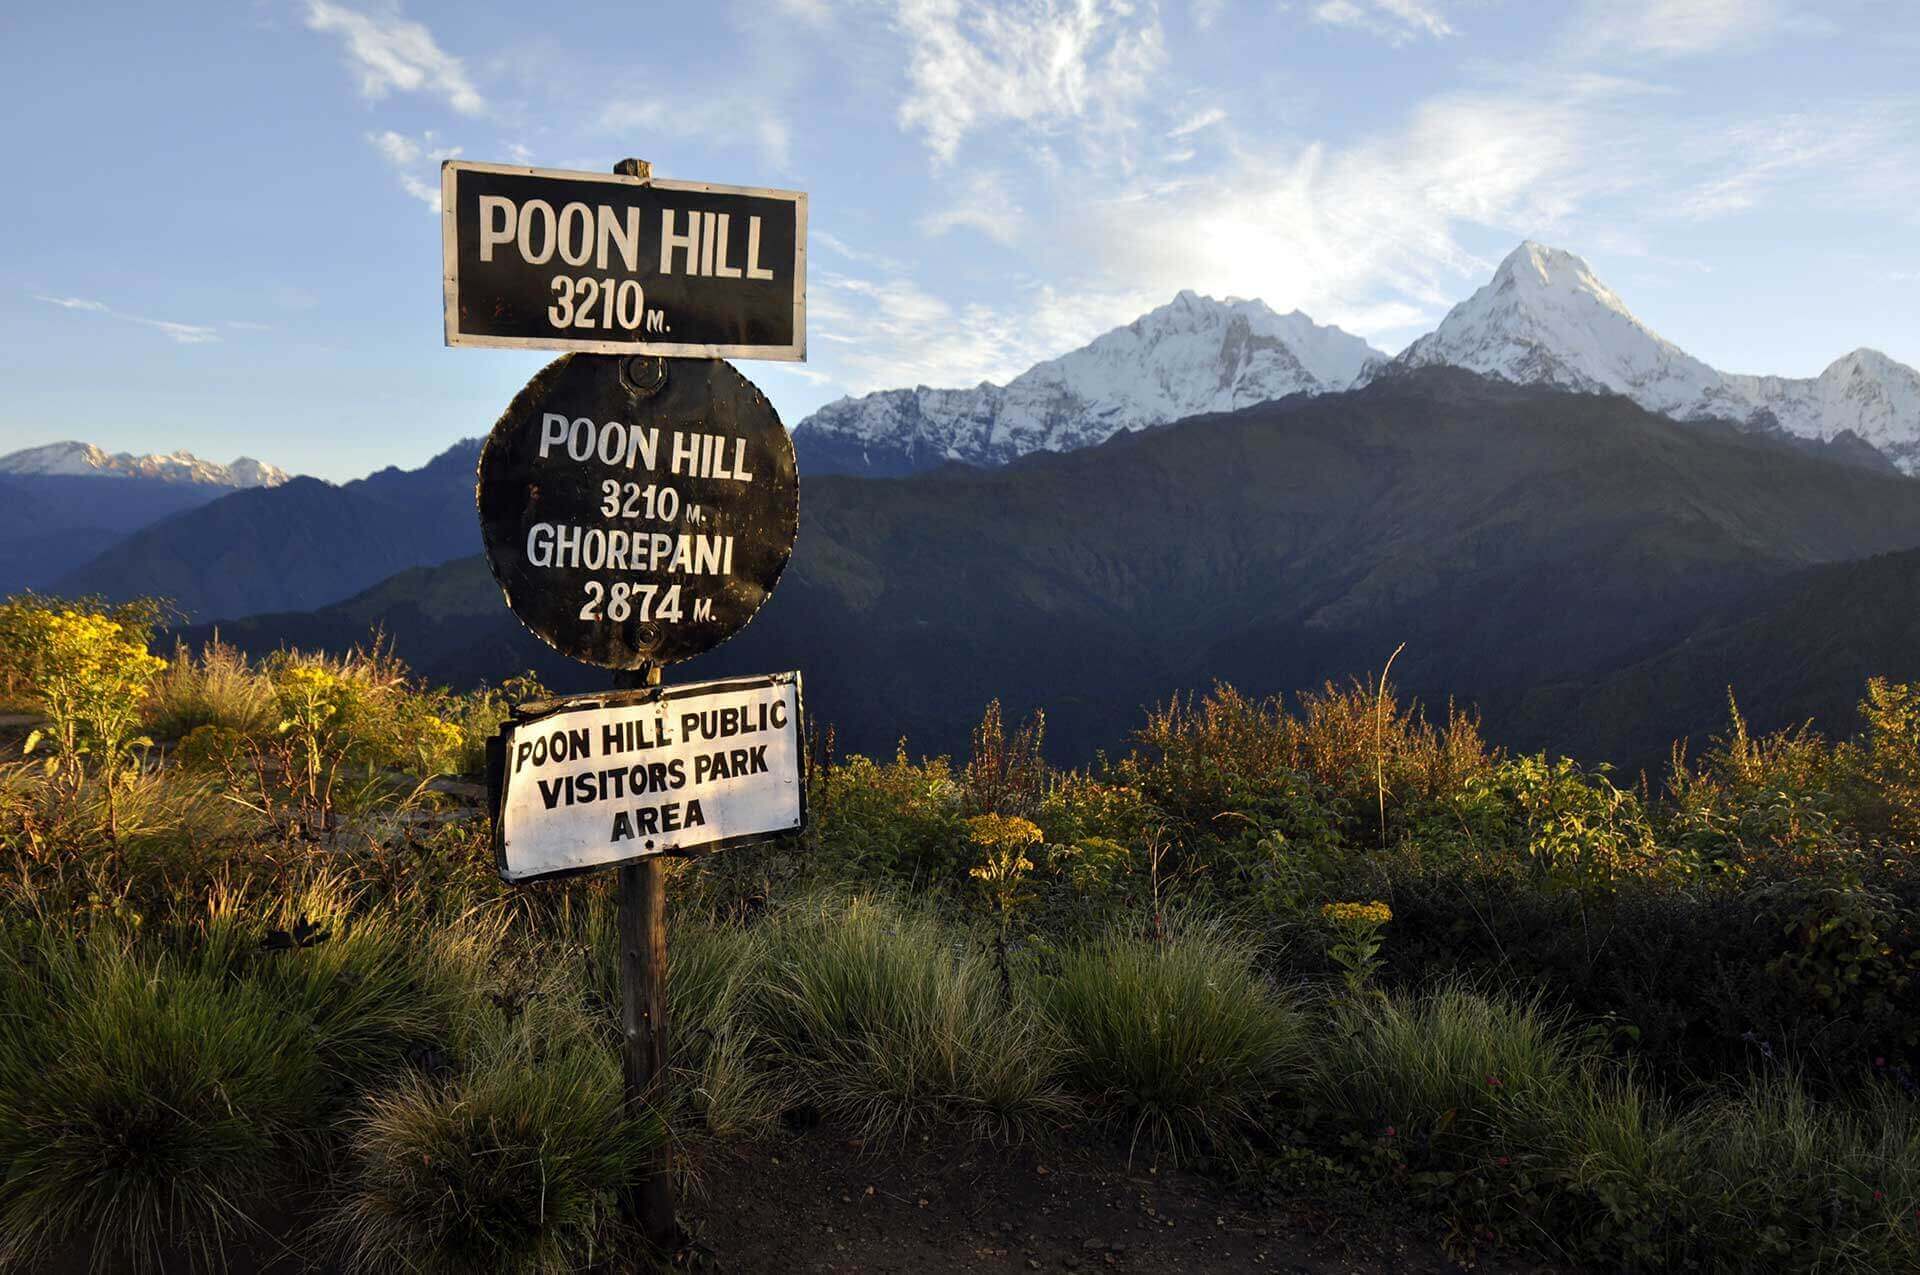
{"points": [[820, 1203]]}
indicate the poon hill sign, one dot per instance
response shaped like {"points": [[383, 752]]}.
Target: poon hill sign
{"points": [[612, 264]]}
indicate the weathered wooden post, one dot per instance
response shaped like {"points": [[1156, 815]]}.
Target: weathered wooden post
{"points": [[642, 934]]}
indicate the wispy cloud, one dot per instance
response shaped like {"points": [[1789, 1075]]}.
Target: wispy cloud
{"points": [[1039, 64], [1197, 121], [78, 303], [391, 54], [1685, 28], [983, 203], [730, 119], [410, 159], [1397, 21], [184, 333], [1869, 152], [882, 329]]}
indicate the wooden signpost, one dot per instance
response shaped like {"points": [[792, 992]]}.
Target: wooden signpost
{"points": [[637, 508]]}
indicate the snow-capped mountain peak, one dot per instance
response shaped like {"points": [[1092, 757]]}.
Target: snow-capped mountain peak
{"points": [[1192, 355], [1865, 392], [1546, 317], [77, 459]]}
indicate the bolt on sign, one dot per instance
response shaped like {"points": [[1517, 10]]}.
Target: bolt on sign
{"points": [[676, 770], [609, 264], [637, 511]]}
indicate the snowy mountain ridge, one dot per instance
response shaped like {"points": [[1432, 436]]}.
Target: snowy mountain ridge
{"points": [[1192, 355], [1865, 392], [76, 459], [1544, 318]]}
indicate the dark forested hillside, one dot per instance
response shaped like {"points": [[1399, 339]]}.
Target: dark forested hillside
{"points": [[1531, 547], [294, 547], [52, 523]]}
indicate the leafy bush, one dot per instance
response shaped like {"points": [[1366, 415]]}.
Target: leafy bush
{"points": [[88, 670], [902, 822]]}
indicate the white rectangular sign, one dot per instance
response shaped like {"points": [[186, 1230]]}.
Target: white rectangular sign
{"points": [[697, 767]]}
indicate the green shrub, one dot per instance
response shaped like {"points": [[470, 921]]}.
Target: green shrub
{"points": [[1776, 1181], [142, 1104], [1891, 758], [892, 1022], [516, 1164], [1445, 1069], [216, 688], [899, 823], [370, 985], [1181, 1044], [715, 1046]]}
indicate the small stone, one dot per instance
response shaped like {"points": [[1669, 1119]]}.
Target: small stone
{"points": [[1042, 1170], [870, 1191], [1093, 1246], [923, 1201]]}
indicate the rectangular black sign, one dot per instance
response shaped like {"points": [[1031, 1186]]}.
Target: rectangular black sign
{"points": [[552, 260]]}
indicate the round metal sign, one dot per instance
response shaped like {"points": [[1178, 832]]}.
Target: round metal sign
{"points": [[638, 510]]}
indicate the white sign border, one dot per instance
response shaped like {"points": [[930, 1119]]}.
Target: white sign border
{"points": [[634, 699], [450, 271]]}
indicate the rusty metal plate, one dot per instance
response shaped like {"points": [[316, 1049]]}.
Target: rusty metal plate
{"points": [[637, 510]]}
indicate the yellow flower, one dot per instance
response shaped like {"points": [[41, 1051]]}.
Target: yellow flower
{"points": [[1357, 914]]}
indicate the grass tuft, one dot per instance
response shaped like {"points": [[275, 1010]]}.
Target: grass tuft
{"points": [[1447, 1067], [141, 1104], [887, 1022], [218, 687], [517, 1163], [1183, 1041]]}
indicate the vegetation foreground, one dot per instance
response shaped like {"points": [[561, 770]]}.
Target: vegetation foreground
{"points": [[259, 977]]}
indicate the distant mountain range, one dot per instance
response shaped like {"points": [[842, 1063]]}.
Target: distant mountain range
{"points": [[1544, 319], [299, 545], [66, 503], [1531, 546], [84, 460], [1190, 356], [1574, 524]]}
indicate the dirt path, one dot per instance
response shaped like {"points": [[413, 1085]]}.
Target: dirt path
{"points": [[818, 1203]]}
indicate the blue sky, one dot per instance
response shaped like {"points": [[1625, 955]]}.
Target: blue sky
{"points": [[220, 234]]}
